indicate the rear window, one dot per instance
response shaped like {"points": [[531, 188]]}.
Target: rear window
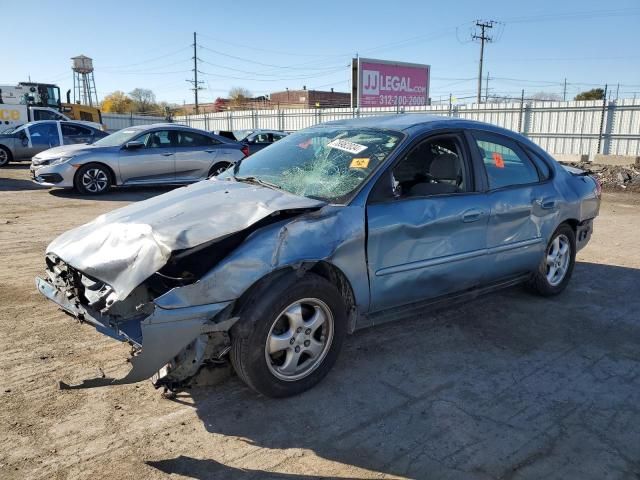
{"points": [[505, 163]]}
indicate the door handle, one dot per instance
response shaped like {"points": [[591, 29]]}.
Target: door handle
{"points": [[472, 215], [546, 204], [210, 151], [167, 154]]}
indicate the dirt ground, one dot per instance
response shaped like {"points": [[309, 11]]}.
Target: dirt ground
{"points": [[508, 386]]}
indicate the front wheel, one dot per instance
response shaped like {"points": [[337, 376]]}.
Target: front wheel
{"points": [[556, 267], [289, 335], [92, 179], [5, 156]]}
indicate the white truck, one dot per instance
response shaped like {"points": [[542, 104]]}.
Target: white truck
{"points": [[28, 102]]}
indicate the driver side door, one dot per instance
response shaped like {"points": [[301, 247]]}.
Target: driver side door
{"points": [[427, 225], [41, 136]]}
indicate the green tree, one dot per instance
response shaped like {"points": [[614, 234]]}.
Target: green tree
{"points": [[593, 94]]}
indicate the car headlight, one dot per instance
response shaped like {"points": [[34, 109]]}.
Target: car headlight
{"points": [[58, 161]]}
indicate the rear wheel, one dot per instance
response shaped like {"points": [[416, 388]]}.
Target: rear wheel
{"points": [[556, 267], [5, 156], [289, 335], [218, 168], [93, 179]]}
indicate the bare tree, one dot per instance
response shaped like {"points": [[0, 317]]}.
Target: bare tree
{"points": [[144, 100], [238, 96]]}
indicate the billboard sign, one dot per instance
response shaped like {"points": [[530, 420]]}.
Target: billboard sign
{"points": [[382, 83]]}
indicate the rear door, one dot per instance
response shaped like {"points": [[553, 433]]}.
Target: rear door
{"points": [[195, 155], [428, 238], [153, 162], [522, 202]]}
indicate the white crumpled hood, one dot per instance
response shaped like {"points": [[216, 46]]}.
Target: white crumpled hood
{"points": [[124, 247]]}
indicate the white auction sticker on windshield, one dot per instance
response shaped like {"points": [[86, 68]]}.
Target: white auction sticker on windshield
{"points": [[347, 146]]}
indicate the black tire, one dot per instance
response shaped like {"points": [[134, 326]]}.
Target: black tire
{"points": [[218, 168], [262, 311], [5, 156], [101, 175], [540, 282]]}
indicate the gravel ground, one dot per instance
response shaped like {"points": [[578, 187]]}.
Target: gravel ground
{"points": [[508, 386]]}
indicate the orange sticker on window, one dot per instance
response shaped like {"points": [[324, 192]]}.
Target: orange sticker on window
{"points": [[359, 163], [498, 161]]}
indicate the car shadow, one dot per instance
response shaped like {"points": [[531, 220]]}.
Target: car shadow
{"points": [[116, 194], [487, 389]]}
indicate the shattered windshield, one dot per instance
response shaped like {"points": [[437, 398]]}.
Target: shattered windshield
{"points": [[324, 163]]}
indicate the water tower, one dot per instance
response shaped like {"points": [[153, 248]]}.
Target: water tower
{"points": [[84, 84]]}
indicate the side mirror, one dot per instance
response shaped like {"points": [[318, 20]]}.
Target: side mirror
{"points": [[133, 145]]}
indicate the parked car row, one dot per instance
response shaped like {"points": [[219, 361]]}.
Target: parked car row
{"points": [[73, 155]]}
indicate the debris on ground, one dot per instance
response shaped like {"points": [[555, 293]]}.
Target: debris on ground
{"points": [[613, 177]]}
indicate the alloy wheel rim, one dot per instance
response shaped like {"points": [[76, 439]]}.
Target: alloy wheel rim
{"points": [[557, 260], [4, 158], [299, 339], [95, 180]]}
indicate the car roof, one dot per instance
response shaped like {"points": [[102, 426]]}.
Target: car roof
{"points": [[418, 122], [177, 126], [406, 121]]}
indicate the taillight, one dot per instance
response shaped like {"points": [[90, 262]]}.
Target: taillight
{"points": [[598, 185], [245, 150]]}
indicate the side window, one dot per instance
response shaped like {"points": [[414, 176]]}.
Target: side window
{"points": [[46, 115], [75, 133], [159, 139], [434, 167], [543, 167], [505, 163], [44, 135], [192, 139]]}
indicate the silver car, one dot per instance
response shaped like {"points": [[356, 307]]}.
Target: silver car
{"points": [[25, 141], [141, 155]]}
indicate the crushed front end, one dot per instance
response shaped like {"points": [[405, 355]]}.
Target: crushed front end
{"points": [[168, 344]]}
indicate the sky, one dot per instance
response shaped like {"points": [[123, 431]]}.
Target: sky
{"points": [[270, 46]]}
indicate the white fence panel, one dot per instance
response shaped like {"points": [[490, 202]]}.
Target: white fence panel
{"points": [[118, 121], [558, 127]]}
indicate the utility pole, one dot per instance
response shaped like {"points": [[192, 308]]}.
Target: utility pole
{"points": [[195, 82], [564, 91], [484, 26]]}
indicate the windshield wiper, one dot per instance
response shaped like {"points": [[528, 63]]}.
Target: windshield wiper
{"points": [[252, 179]]}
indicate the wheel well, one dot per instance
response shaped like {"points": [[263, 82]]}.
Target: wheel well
{"points": [[104, 165], [335, 276], [321, 268], [573, 223]]}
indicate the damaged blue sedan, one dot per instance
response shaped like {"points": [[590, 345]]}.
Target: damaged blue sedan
{"points": [[336, 227]]}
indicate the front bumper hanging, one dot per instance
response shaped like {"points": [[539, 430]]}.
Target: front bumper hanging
{"points": [[159, 338]]}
